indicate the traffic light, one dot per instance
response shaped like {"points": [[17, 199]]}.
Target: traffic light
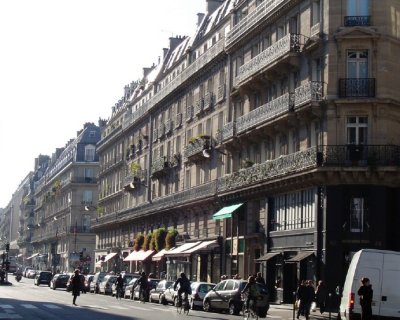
{"points": [[7, 247]]}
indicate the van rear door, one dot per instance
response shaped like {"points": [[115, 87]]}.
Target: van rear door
{"points": [[390, 297]]}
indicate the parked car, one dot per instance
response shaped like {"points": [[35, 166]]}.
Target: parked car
{"points": [[43, 277], [170, 295], [129, 287], [31, 274], [152, 284], [106, 285], [157, 292], [199, 291], [94, 285], [226, 296], [60, 280], [126, 277], [88, 280], [25, 271]]}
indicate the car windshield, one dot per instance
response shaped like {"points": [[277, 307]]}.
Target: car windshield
{"points": [[46, 275]]}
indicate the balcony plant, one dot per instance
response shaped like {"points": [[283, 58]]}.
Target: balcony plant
{"points": [[159, 239], [170, 239], [138, 243], [247, 163], [147, 241], [134, 168]]}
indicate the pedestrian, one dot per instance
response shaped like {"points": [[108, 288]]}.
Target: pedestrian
{"points": [[260, 279], [306, 296], [320, 296], [76, 285], [300, 294], [366, 293]]}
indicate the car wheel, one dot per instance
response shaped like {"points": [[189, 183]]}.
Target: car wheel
{"points": [[151, 299], [206, 306], [161, 300], [232, 309]]}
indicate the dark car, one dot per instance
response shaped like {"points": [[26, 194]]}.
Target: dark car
{"points": [[226, 296], [43, 277], [94, 285], [156, 294], [60, 280]]}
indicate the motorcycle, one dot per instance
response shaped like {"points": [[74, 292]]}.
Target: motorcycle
{"points": [[18, 277]]}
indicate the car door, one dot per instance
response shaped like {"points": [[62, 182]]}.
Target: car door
{"points": [[216, 295], [228, 294]]}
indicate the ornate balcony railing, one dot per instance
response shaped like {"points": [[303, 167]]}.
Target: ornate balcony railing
{"points": [[289, 43], [264, 113], [251, 20], [308, 92], [208, 101], [139, 175], [178, 120], [271, 169], [198, 107], [221, 92], [130, 118], [353, 21], [168, 126], [357, 88], [359, 155], [315, 30], [228, 131], [158, 166], [189, 113], [196, 147]]}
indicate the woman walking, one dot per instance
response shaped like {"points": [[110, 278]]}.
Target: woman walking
{"points": [[76, 285]]}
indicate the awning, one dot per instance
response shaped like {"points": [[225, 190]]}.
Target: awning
{"points": [[178, 250], [139, 255], [204, 245], [226, 212], [300, 256], [110, 256], [32, 256], [267, 256], [159, 255]]}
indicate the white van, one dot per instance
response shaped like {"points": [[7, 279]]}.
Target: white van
{"points": [[383, 269]]}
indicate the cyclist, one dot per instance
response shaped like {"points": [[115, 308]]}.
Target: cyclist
{"points": [[144, 283], [184, 287], [252, 288], [119, 283]]}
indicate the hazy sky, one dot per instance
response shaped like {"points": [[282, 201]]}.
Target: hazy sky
{"points": [[66, 62]]}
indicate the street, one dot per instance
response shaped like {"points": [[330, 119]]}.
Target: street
{"points": [[23, 300]]}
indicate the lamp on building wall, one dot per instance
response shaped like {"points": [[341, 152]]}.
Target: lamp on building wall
{"points": [[207, 152]]}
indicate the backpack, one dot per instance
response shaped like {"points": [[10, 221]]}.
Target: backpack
{"points": [[254, 290]]}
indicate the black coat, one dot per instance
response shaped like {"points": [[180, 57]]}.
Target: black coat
{"points": [[366, 293], [76, 285]]}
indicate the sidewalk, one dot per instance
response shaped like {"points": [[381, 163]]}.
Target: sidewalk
{"points": [[313, 315]]}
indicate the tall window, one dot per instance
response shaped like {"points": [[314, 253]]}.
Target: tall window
{"points": [[357, 64], [357, 130], [90, 152], [357, 7], [87, 196], [316, 15], [89, 173], [86, 223], [356, 214]]}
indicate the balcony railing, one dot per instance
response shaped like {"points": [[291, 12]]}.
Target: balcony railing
{"points": [[359, 155], [198, 107], [208, 101], [251, 20], [168, 126], [357, 88], [289, 43], [308, 92], [196, 147], [228, 131], [264, 113], [353, 21], [178, 120], [189, 113], [159, 165], [139, 175], [271, 169], [221, 92]]}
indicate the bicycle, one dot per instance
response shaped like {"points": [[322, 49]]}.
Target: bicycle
{"points": [[184, 306]]}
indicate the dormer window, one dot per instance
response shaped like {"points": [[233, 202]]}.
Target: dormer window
{"points": [[90, 151]]}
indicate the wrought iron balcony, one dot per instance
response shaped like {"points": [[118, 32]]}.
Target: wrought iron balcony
{"points": [[289, 43], [269, 170], [221, 92], [264, 113], [308, 92], [359, 155], [189, 113], [261, 12], [353, 21], [198, 107], [228, 131], [168, 126], [195, 148], [139, 175], [357, 88], [208, 101], [159, 166], [178, 120]]}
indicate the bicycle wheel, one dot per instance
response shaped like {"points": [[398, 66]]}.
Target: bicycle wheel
{"points": [[179, 308], [186, 307]]}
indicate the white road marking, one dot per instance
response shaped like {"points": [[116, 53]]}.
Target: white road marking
{"points": [[161, 309], [138, 308], [52, 306], [95, 307], [120, 307], [29, 306]]}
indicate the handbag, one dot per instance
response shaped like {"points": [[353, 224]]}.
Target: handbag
{"points": [[313, 306]]}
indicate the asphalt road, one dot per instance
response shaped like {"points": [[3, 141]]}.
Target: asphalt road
{"points": [[26, 301]]}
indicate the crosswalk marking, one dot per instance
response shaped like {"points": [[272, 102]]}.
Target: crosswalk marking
{"points": [[52, 306], [29, 306]]}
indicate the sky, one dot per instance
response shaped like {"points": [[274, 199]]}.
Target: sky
{"points": [[66, 62]]}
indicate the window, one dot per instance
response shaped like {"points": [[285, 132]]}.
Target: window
{"points": [[316, 16], [357, 130], [87, 197], [86, 223], [356, 214], [357, 64], [230, 285], [90, 152], [357, 7], [89, 173]]}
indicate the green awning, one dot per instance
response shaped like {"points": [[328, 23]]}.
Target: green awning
{"points": [[226, 212]]}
